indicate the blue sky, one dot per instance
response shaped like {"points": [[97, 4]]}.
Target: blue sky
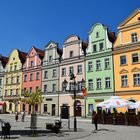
{"points": [[24, 23]]}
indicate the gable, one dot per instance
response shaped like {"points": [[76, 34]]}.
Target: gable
{"points": [[71, 38], [132, 19], [51, 45]]}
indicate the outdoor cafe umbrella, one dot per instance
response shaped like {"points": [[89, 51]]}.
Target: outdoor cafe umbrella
{"points": [[115, 102], [136, 105]]}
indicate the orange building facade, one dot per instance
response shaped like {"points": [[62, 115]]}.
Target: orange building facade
{"points": [[126, 55]]}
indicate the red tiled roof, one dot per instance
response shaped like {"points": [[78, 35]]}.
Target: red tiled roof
{"points": [[111, 36], [40, 52], [22, 56], [4, 60]]}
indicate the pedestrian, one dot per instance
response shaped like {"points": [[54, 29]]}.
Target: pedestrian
{"points": [[23, 116], [16, 116], [94, 119]]}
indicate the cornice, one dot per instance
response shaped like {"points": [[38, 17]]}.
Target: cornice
{"points": [[126, 48]]}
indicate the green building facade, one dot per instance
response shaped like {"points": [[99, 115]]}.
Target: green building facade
{"points": [[99, 66]]}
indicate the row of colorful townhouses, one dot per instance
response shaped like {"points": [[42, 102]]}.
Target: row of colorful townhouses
{"points": [[109, 66]]}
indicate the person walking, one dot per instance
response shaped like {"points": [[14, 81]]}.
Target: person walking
{"points": [[16, 116], [94, 119], [23, 116]]}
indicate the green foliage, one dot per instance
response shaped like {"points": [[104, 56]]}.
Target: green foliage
{"points": [[115, 113]]}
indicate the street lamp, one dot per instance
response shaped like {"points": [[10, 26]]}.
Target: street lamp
{"points": [[72, 77], [84, 92]]}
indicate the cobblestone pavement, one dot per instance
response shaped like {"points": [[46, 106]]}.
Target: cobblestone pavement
{"points": [[84, 132]]}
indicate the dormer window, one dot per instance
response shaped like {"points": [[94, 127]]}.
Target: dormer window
{"points": [[134, 37], [50, 58], [32, 63], [97, 34], [71, 54]]}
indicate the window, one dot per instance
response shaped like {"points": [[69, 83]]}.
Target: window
{"points": [[70, 86], [107, 64], [32, 63], [135, 58], [101, 46], [6, 80], [63, 71], [17, 90], [79, 86], [54, 88], [90, 84], [17, 79], [123, 60], [24, 90], [31, 77], [10, 68], [30, 89], [12, 80], [71, 54], [71, 70], [15, 68], [45, 108], [54, 73], [11, 92], [98, 65], [36, 107], [6, 92], [134, 37], [45, 74], [10, 106], [45, 88], [25, 78], [98, 83], [37, 88], [94, 48], [136, 79], [79, 69], [107, 82], [0, 81], [124, 81], [90, 68], [37, 76], [97, 34], [50, 58]]}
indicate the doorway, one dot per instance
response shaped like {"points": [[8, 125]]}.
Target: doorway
{"points": [[53, 109], [78, 108]]}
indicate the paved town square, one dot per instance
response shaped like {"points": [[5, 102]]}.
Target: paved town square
{"points": [[85, 130]]}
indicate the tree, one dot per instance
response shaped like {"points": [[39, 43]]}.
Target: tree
{"points": [[32, 99]]}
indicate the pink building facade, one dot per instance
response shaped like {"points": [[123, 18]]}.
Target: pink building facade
{"points": [[74, 51], [31, 76]]}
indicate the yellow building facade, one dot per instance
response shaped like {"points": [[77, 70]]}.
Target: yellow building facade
{"points": [[12, 80], [126, 55]]}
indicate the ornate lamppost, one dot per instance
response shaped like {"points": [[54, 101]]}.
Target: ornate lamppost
{"points": [[72, 77]]}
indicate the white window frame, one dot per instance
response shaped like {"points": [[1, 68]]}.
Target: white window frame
{"points": [[90, 66], [136, 79], [124, 80], [107, 82], [90, 84]]}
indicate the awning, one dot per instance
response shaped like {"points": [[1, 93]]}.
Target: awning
{"points": [[2, 103]]}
